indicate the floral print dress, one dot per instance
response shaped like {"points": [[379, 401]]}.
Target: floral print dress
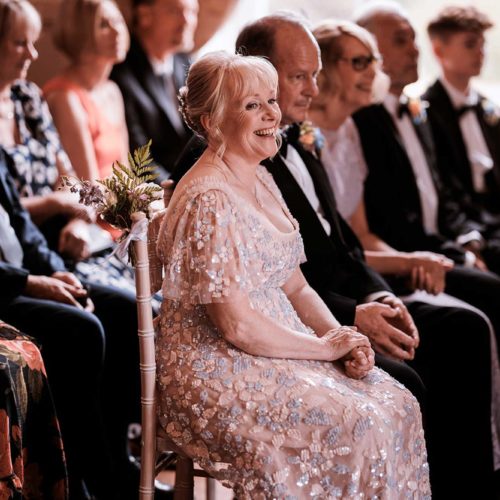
{"points": [[32, 463], [34, 169], [270, 428]]}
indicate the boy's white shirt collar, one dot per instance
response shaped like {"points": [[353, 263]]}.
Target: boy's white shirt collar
{"points": [[459, 98]]}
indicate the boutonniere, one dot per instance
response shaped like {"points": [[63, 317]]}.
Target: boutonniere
{"points": [[417, 109], [491, 112], [311, 138]]}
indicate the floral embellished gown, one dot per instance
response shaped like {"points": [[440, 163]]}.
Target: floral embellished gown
{"points": [[268, 427]]}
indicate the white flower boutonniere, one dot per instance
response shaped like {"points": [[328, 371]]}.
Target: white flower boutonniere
{"points": [[417, 109], [491, 112], [311, 138]]}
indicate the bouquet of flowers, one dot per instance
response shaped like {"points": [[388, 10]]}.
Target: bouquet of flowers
{"points": [[127, 190]]}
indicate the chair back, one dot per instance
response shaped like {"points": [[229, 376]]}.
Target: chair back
{"points": [[147, 365]]}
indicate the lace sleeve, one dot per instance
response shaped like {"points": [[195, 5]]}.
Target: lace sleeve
{"points": [[208, 254]]}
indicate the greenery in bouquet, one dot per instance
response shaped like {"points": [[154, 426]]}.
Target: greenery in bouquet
{"points": [[127, 190]]}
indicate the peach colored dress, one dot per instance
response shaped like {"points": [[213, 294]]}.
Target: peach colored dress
{"points": [[268, 427], [107, 136]]}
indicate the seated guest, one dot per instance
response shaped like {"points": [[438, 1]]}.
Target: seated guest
{"points": [[465, 124], [249, 339], [403, 179], [355, 293], [349, 55], [30, 140], [38, 295], [405, 200], [86, 106], [32, 453], [152, 73]]}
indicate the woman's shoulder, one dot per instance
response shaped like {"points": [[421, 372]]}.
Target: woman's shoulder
{"points": [[61, 84], [204, 182]]}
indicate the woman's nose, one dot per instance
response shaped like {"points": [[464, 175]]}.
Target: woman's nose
{"points": [[32, 52]]}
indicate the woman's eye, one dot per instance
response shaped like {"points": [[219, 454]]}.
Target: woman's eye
{"points": [[251, 105], [272, 101]]}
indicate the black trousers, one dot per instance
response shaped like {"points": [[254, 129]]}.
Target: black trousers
{"points": [[454, 362], [481, 289], [92, 364]]}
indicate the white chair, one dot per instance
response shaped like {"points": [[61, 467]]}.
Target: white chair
{"points": [[148, 279]]}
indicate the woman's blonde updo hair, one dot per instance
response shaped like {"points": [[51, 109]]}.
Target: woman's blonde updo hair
{"points": [[329, 35], [11, 10], [216, 82]]}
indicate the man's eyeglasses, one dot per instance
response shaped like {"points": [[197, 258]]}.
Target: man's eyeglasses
{"points": [[359, 63]]}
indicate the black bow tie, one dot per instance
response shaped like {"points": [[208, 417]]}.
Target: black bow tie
{"points": [[465, 109], [402, 109]]}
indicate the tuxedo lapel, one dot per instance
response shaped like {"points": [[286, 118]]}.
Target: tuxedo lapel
{"points": [[181, 66], [443, 110], [424, 135], [319, 177], [295, 199], [153, 84], [491, 134], [389, 127]]}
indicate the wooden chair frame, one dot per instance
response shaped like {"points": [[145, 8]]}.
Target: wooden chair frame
{"points": [[148, 281]]}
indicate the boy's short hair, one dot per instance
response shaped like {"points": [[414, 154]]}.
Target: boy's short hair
{"points": [[456, 19]]}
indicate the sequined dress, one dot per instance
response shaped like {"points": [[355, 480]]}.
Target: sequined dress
{"points": [[269, 428]]}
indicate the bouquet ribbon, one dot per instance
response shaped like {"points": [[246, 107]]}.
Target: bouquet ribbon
{"points": [[138, 232]]}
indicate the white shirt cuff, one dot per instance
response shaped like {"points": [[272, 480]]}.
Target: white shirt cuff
{"points": [[474, 235], [373, 297], [470, 259]]}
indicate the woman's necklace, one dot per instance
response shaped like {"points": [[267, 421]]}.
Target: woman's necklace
{"points": [[257, 198]]}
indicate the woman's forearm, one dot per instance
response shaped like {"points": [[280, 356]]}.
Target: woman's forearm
{"points": [[42, 208], [259, 335], [312, 311]]}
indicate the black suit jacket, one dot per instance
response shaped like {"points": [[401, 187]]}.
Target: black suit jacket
{"points": [[38, 259], [147, 107], [335, 265], [453, 161], [392, 200]]}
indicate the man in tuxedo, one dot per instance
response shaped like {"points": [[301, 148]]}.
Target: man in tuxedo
{"points": [[151, 75], [466, 125], [87, 356], [407, 203], [355, 293]]}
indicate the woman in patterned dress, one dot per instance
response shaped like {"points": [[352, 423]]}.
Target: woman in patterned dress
{"points": [[258, 382]]}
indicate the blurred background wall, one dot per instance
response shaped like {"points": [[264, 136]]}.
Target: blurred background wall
{"points": [[236, 13]]}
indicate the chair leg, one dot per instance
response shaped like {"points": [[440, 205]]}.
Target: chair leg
{"points": [[184, 479], [211, 488]]}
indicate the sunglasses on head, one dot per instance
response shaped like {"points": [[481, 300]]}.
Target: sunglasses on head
{"points": [[359, 63]]}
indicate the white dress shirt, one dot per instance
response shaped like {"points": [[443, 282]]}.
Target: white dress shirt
{"points": [[477, 150], [342, 157], [300, 173], [10, 248], [426, 189], [165, 69]]}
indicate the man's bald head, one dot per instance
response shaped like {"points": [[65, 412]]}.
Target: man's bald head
{"points": [[395, 35]]}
